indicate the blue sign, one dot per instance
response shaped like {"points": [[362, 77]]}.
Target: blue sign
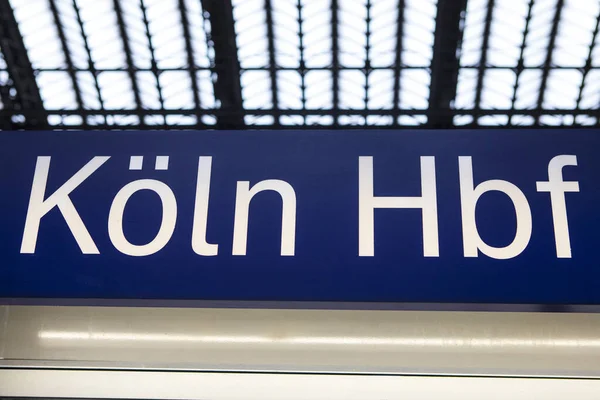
{"points": [[405, 216]]}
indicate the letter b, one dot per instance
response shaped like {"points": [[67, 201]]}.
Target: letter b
{"points": [[469, 196]]}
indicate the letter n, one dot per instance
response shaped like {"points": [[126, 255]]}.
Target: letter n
{"points": [[288, 218]]}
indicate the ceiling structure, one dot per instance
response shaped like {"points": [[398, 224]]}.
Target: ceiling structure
{"points": [[239, 64]]}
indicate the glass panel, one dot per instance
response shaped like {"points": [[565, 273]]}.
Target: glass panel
{"points": [[384, 26], [176, 89], [36, 24], [540, 27], [507, 30], [473, 32], [590, 98], [256, 90], [251, 33], [528, 90], [497, 89], [167, 33], [352, 28], [100, 23], [290, 93], [380, 89], [116, 90], [562, 89], [319, 91], [577, 23], [57, 90], [352, 90], [316, 25], [286, 31], [419, 29], [414, 89]]}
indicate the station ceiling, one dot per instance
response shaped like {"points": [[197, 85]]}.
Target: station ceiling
{"points": [[239, 64]]}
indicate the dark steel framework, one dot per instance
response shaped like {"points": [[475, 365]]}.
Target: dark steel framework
{"points": [[22, 106], [20, 95]]}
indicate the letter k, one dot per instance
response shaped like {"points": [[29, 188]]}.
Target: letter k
{"points": [[38, 207]]}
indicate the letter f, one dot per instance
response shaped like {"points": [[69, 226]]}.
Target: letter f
{"points": [[38, 207], [557, 189]]}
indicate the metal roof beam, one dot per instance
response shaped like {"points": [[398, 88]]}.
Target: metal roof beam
{"points": [[549, 55], [128, 56], [335, 53], [226, 68], [521, 63], [191, 59], [398, 59], [21, 73], [6, 99], [302, 69], [305, 112], [7, 104], [588, 67], [445, 62], [153, 62], [67, 53], [272, 59], [484, 53], [91, 67], [368, 47]]}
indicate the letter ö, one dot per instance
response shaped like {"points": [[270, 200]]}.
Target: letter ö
{"points": [[167, 225]]}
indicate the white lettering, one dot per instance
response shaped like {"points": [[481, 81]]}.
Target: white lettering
{"points": [[167, 225], [368, 203], [38, 207], [472, 242], [557, 189], [288, 218], [199, 243]]}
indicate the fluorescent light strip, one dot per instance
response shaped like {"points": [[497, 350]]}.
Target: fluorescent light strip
{"points": [[150, 337], [447, 342]]}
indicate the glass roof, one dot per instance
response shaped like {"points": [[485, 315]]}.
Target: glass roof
{"points": [[159, 63]]}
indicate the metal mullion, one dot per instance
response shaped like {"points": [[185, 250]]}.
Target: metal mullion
{"points": [[367, 54], [186, 127], [67, 54], [321, 112], [302, 62], [20, 71], [315, 68], [521, 62], [153, 63], [484, 52], [549, 54], [272, 60], [5, 96], [445, 63], [335, 64], [128, 56], [91, 65], [190, 57], [8, 104], [398, 58], [226, 64], [588, 63]]}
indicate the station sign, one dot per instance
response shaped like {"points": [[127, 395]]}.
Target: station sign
{"points": [[357, 216]]}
